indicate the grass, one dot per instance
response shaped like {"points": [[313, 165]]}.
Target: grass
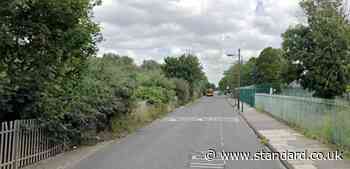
{"points": [[125, 124], [264, 141]]}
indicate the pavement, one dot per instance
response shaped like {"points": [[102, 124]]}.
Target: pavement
{"points": [[71, 158], [179, 140], [283, 138]]}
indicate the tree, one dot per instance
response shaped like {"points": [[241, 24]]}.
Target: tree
{"points": [[41, 43], [223, 83], [230, 79], [319, 51], [269, 67], [249, 72], [289, 71], [211, 86], [185, 67], [151, 65], [266, 69]]}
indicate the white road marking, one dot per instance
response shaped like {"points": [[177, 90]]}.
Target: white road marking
{"points": [[201, 119], [222, 138], [172, 120], [212, 164], [207, 165]]}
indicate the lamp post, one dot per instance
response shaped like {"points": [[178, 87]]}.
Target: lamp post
{"points": [[240, 59]]}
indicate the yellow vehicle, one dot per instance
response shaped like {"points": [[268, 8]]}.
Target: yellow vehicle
{"points": [[210, 92]]}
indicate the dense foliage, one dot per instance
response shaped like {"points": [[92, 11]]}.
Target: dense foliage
{"points": [[187, 67], [42, 43], [319, 51], [182, 91], [154, 87], [269, 66], [230, 79]]}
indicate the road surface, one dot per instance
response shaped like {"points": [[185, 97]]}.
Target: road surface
{"points": [[176, 141]]}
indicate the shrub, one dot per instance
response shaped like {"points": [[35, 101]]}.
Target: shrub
{"points": [[155, 94], [76, 110], [154, 87], [182, 91]]}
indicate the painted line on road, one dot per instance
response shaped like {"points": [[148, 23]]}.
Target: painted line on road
{"points": [[222, 137], [201, 119], [207, 165]]}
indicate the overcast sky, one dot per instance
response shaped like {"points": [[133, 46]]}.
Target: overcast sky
{"points": [[154, 29]]}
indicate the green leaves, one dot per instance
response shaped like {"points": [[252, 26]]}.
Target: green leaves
{"points": [[153, 86], [269, 67], [186, 67], [266, 69], [182, 91], [319, 52], [42, 43], [155, 94]]}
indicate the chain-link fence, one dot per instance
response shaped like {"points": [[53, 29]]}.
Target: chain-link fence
{"points": [[327, 119]]}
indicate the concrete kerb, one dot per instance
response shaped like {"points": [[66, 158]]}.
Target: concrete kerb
{"points": [[285, 163]]}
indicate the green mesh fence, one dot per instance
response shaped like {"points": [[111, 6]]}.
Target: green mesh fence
{"points": [[328, 119], [247, 94]]}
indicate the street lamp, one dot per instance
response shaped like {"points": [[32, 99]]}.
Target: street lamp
{"points": [[240, 59]]}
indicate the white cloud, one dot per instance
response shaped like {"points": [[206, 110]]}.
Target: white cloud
{"points": [[154, 29]]}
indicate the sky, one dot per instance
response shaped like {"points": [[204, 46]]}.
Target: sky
{"points": [[155, 29]]}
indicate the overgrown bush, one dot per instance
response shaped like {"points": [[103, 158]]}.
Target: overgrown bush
{"points": [[153, 95], [75, 108], [42, 43], [154, 87], [182, 91], [187, 67]]}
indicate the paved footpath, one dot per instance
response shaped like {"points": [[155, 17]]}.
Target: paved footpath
{"points": [[282, 138]]}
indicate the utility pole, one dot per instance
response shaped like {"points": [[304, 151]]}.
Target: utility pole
{"points": [[239, 79], [240, 62], [240, 59]]}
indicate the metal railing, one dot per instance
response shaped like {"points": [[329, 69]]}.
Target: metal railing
{"points": [[24, 142]]}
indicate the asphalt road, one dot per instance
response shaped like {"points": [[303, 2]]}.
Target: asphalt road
{"points": [[176, 142]]}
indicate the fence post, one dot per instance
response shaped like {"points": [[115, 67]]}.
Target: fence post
{"points": [[15, 144], [1, 143]]}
